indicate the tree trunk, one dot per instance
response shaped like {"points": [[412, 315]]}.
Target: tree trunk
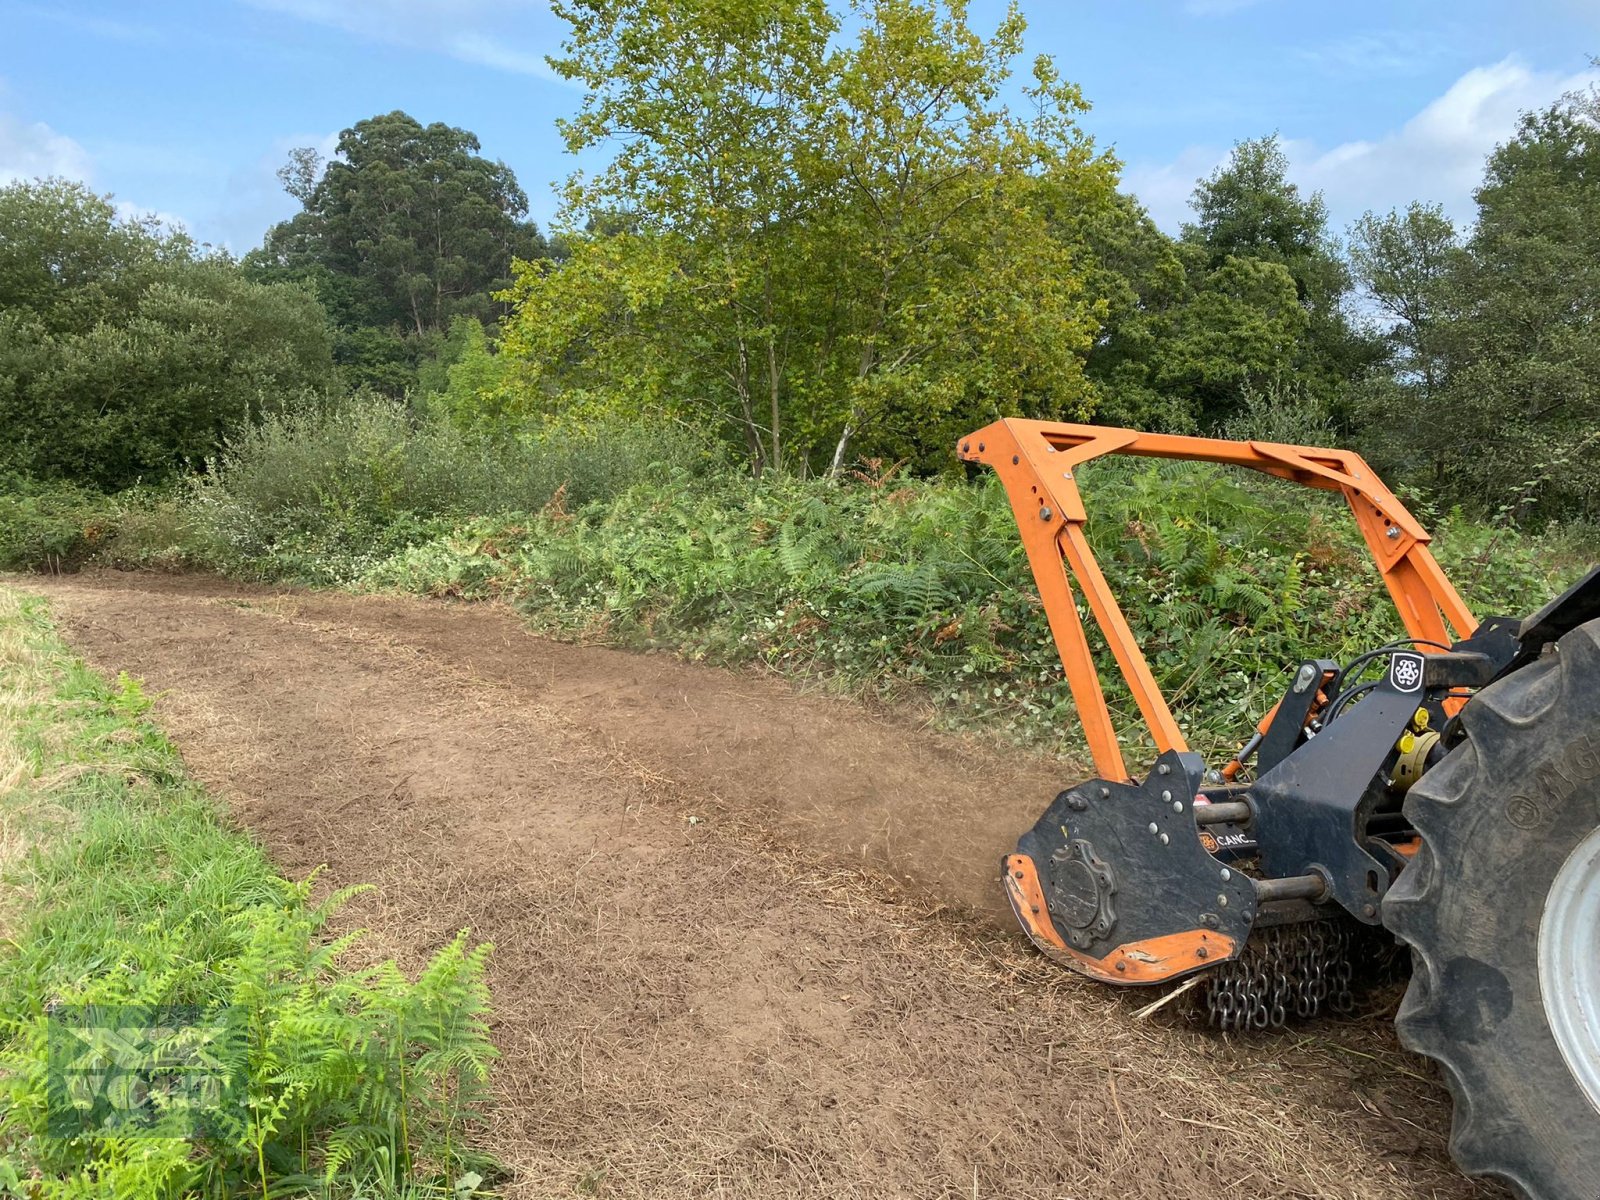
{"points": [[752, 433], [772, 385], [838, 451]]}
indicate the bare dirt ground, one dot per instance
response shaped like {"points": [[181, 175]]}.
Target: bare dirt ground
{"points": [[747, 941]]}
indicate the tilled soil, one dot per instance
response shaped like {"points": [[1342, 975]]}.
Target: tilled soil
{"points": [[748, 942]]}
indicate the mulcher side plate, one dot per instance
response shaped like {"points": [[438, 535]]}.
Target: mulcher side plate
{"points": [[1128, 892]]}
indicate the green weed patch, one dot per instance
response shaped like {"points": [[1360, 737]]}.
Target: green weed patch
{"points": [[249, 1061]]}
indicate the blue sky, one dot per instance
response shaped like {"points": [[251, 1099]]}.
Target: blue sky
{"points": [[187, 107]]}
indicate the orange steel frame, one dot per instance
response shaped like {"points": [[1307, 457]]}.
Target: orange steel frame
{"points": [[1037, 462]]}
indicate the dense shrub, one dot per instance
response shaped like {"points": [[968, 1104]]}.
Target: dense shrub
{"points": [[325, 493], [52, 528], [922, 589], [125, 351]]}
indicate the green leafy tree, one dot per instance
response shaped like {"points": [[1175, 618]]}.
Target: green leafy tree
{"points": [[831, 249], [1186, 338], [1407, 265], [124, 352], [1248, 209], [405, 228], [1523, 394]]}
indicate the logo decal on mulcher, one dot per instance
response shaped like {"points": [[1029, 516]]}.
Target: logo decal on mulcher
{"points": [[1405, 672]]}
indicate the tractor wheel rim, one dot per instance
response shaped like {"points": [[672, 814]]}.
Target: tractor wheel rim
{"points": [[1569, 963]]}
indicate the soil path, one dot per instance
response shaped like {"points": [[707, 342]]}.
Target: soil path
{"points": [[745, 940]]}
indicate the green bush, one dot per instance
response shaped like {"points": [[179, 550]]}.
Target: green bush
{"points": [[923, 589], [322, 495], [52, 528], [126, 351]]}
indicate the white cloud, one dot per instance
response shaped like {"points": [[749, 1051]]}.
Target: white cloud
{"points": [[1386, 52], [132, 212], [36, 151], [1436, 157], [253, 199], [490, 33], [28, 151]]}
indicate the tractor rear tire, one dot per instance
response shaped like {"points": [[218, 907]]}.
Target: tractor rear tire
{"points": [[1501, 908]]}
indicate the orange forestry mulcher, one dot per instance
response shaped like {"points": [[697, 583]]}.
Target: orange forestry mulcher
{"points": [[1444, 787]]}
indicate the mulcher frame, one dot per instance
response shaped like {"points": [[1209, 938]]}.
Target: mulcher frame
{"points": [[1037, 462]]}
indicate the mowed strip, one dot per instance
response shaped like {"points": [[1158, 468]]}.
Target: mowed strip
{"points": [[726, 1005]]}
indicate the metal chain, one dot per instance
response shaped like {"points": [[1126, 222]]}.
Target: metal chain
{"points": [[1285, 970]]}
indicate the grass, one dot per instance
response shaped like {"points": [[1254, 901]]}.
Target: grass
{"points": [[126, 892]]}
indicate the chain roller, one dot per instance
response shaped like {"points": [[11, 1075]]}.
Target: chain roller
{"points": [[1285, 971]]}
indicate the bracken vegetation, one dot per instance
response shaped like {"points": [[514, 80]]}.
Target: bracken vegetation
{"points": [[129, 895]]}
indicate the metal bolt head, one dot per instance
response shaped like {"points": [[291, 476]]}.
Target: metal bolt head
{"points": [[1045, 514], [1105, 793], [1077, 803], [1222, 900], [1166, 797], [1370, 910], [1165, 839], [1177, 806], [1226, 874], [1122, 966], [1154, 828], [1394, 533], [1201, 952], [1164, 769]]}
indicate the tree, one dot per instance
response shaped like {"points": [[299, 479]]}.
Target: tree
{"points": [[124, 352], [1248, 209], [405, 228], [1406, 264], [832, 249], [1523, 393]]}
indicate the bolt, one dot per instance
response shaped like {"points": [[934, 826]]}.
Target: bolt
{"points": [[1077, 803], [1166, 797], [1034, 908], [1154, 827], [1226, 874], [1045, 514], [1370, 910], [1202, 952], [1164, 769], [1165, 839], [1105, 793], [1222, 900], [1177, 806], [1394, 533], [1122, 966]]}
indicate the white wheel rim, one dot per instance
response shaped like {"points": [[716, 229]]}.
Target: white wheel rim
{"points": [[1569, 963]]}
